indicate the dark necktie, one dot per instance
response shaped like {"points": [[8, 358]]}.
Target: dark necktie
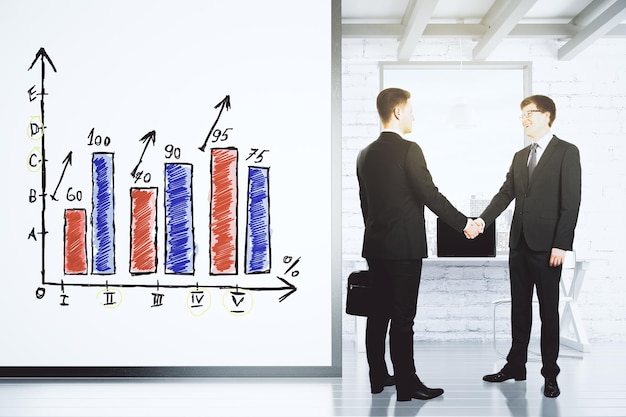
{"points": [[532, 163]]}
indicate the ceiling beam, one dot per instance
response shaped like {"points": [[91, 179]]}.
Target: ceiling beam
{"points": [[371, 30], [591, 12], [600, 26], [473, 31], [508, 17], [618, 32], [419, 15], [494, 11], [523, 30]]}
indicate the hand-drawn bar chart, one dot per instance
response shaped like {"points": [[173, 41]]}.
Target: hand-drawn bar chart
{"points": [[159, 221], [142, 230]]}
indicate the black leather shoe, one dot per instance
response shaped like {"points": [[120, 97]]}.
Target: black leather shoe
{"points": [[377, 388], [504, 376], [551, 388], [419, 393]]}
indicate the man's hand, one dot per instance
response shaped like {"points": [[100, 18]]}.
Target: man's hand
{"points": [[557, 257], [472, 229]]}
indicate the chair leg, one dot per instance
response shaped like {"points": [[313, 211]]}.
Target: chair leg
{"points": [[496, 303]]}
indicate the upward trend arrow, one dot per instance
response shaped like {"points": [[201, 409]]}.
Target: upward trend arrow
{"points": [[225, 103], [67, 161], [43, 56], [148, 138]]}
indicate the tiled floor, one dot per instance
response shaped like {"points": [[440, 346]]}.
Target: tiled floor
{"points": [[592, 386]]}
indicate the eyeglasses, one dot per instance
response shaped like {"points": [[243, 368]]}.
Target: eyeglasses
{"points": [[528, 113]]}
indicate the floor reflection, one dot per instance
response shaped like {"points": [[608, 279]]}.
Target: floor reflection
{"points": [[515, 394]]}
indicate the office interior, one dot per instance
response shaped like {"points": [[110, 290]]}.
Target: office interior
{"points": [[468, 65]]}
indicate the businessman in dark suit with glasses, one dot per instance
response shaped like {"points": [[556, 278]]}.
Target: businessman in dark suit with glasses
{"points": [[545, 181]]}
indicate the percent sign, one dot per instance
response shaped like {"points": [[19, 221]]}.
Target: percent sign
{"points": [[289, 260]]}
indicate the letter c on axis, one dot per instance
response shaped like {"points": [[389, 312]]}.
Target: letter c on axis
{"points": [[34, 160]]}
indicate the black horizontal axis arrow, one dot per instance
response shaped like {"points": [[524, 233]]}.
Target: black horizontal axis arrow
{"points": [[288, 287]]}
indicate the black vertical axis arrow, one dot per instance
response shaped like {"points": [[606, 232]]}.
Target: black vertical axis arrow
{"points": [[43, 56], [148, 138], [225, 103], [67, 161]]}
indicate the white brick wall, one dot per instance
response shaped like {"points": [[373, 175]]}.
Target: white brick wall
{"points": [[455, 302]]}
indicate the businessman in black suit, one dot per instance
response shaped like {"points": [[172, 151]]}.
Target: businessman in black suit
{"points": [[545, 181], [394, 187]]}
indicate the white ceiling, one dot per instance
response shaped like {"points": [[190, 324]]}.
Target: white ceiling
{"points": [[577, 22]]}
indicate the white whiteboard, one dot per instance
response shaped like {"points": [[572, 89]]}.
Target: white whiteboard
{"points": [[126, 278]]}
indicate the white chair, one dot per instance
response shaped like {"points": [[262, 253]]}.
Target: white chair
{"points": [[507, 301]]}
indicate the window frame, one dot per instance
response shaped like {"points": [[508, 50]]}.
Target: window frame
{"points": [[458, 67]]}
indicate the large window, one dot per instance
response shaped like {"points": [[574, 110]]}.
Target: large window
{"points": [[467, 123]]}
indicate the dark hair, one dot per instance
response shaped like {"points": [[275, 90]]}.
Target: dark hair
{"points": [[543, 103], [389, 99]]}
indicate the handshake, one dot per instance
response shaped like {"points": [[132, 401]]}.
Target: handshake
{"points": [[474, 228]]}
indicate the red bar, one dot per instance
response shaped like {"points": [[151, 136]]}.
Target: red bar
{"points": [[143, 246], [223, 211], [75, 239]]}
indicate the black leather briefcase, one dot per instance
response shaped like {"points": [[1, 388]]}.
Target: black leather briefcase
{"points": [[360, 295]]}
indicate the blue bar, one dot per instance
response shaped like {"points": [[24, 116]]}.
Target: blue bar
{"points": [[258, 226], [102, 216], [179, 243]]}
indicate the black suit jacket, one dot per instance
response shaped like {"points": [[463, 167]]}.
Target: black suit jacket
{"points": [[394, 187], [546, 208]]}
